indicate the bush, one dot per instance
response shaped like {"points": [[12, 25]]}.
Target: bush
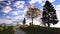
{"points": [[14, 28], [1, 28], [5, 27], [7, 31], [24, 26]]}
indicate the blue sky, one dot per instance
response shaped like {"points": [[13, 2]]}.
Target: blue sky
{"points": [[13, 10]]}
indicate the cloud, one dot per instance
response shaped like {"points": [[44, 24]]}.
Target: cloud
{"points": [[2, 0], [19, 4], [8, 17], [40, 1], [12, 22], [42, 4], [19, 17], [9, 2], [25, 10], [34, 1], [52, 0], [14, 13], [57, 7], [5, 21], [6, 9]]}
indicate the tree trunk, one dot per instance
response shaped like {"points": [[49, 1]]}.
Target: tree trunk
{"points": [[32, 20], [48, 24]]}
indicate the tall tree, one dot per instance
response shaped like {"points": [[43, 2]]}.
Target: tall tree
{"points": [[49, 14], [32, 13], [24, 21]]}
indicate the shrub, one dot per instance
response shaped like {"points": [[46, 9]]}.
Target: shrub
{"points": [[5, 27], [14, 28], [24, 26], [6, 31], [1, 28]]}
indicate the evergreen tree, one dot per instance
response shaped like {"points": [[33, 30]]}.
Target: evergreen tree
{"points": [[49, 14], [24, 21]]}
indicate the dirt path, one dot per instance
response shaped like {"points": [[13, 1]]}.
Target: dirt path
{"points": [[19, 31]]}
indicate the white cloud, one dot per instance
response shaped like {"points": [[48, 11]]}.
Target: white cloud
{"points": [[42, 4], [14, 13], [53, 5], [12, 22], [19, 4], [19, 17], [5, 21], [7, 9], [51, 1], [57, 7], [25, 10], [34, 1], [8, 17], [18, 11], [9, 2], [2, 0], [40, 1]]}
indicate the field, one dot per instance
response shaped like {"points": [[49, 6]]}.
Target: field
{"points": [[7, 30], [40, 30]]}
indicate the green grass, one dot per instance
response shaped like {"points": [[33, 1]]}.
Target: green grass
{"points": [[7, 31], [41, 30]]}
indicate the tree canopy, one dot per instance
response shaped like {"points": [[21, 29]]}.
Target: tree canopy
{"points": [[49, 14]]}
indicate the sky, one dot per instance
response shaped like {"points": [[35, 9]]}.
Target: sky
{"points": [[12, 11]]}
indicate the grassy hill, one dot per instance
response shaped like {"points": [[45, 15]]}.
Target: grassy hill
{"points": [[40, 30], [7, 30]]}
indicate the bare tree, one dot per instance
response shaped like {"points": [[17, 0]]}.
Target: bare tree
{"points": [[32, 12]]}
